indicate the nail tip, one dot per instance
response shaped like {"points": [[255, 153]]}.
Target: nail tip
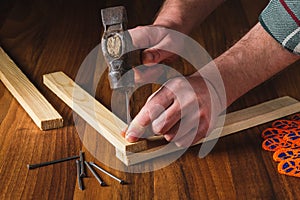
{"points": [[123, 182], [103, 184]]}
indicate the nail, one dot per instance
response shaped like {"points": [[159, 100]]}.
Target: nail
{"points": [[33, 166], [82, 168], [102, 183], [122, 182], [78, 166]]}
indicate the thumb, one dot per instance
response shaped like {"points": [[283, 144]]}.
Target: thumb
{"points": [[154, 56], [134, 132], [163, 51], [138, 126], [154, 39], [155, 105]]}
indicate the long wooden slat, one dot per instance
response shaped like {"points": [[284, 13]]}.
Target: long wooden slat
{"points": [[234, 122], [109, 125], [93, 112], [38, 108]]}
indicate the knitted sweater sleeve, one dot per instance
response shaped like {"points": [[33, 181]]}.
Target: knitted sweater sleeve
{"points": [[281, 19]]}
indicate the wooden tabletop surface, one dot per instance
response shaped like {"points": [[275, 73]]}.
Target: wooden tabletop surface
{"points": [[48, 36]]}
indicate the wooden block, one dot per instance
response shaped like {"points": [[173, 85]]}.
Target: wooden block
{"points": [[93, 112], [110, 126], [234, 122], [34, 103]]}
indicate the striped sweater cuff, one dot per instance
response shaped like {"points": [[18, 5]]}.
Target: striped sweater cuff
{"points": [[281, 19]]}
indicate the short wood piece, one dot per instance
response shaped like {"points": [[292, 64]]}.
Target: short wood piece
{"points": [[234, 122], [93, 112], [38, 108]]}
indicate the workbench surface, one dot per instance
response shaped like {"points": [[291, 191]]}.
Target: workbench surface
{"points": [[48, 36]]}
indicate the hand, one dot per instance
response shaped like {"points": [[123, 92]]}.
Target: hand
{"points": [[183, 110], [160, 44]]}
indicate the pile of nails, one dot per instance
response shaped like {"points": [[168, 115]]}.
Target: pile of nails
{"points": [[81, 169]]}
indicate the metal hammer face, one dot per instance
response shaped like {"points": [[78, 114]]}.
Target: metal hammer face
{"points": [[116, 47]]}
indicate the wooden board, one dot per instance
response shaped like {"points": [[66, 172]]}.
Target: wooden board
{"points": [[234, 122], [237, 169], [93, 112], [110, 126], [34, 103]]}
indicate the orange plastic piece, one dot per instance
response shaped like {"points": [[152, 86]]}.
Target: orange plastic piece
{"points": [[274, 132], [284, 139], [293, 136], [286, 124], [284, 154], [296, 117], [290, 167], [275, 143]]}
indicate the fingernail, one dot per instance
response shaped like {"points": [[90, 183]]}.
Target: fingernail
{"points": [[156, 56], [156, 127], [148, 57], [130, 137]]}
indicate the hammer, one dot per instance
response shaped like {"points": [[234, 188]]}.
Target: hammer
{"points": [[119, 53]]}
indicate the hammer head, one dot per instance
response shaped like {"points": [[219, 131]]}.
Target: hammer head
{"points": [[116, 46]]}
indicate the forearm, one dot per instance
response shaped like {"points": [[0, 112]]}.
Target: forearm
{"points": [[251, 61], [182, 15]]}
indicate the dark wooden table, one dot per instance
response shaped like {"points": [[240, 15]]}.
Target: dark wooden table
{"points": [[48, 36]]}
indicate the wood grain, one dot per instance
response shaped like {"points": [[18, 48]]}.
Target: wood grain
{"points": [[93, 112], [110, 126], [234, 122], [38, 108], [48, 36]]}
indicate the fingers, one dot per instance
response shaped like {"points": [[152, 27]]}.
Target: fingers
{"points": [[145, 74], [187, 131], [166, 120], [150, 111], [156, 41], [185, 118], [187, 136], [145, 36], [196, 133], [176, 112], [159, 53], [161, 46], [181, 128], [187, 140], [155, 55]]}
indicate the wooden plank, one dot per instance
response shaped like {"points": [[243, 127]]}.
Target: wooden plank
{"points": [[234, 122], [38, 108], [110, 126], [93, 112]]}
